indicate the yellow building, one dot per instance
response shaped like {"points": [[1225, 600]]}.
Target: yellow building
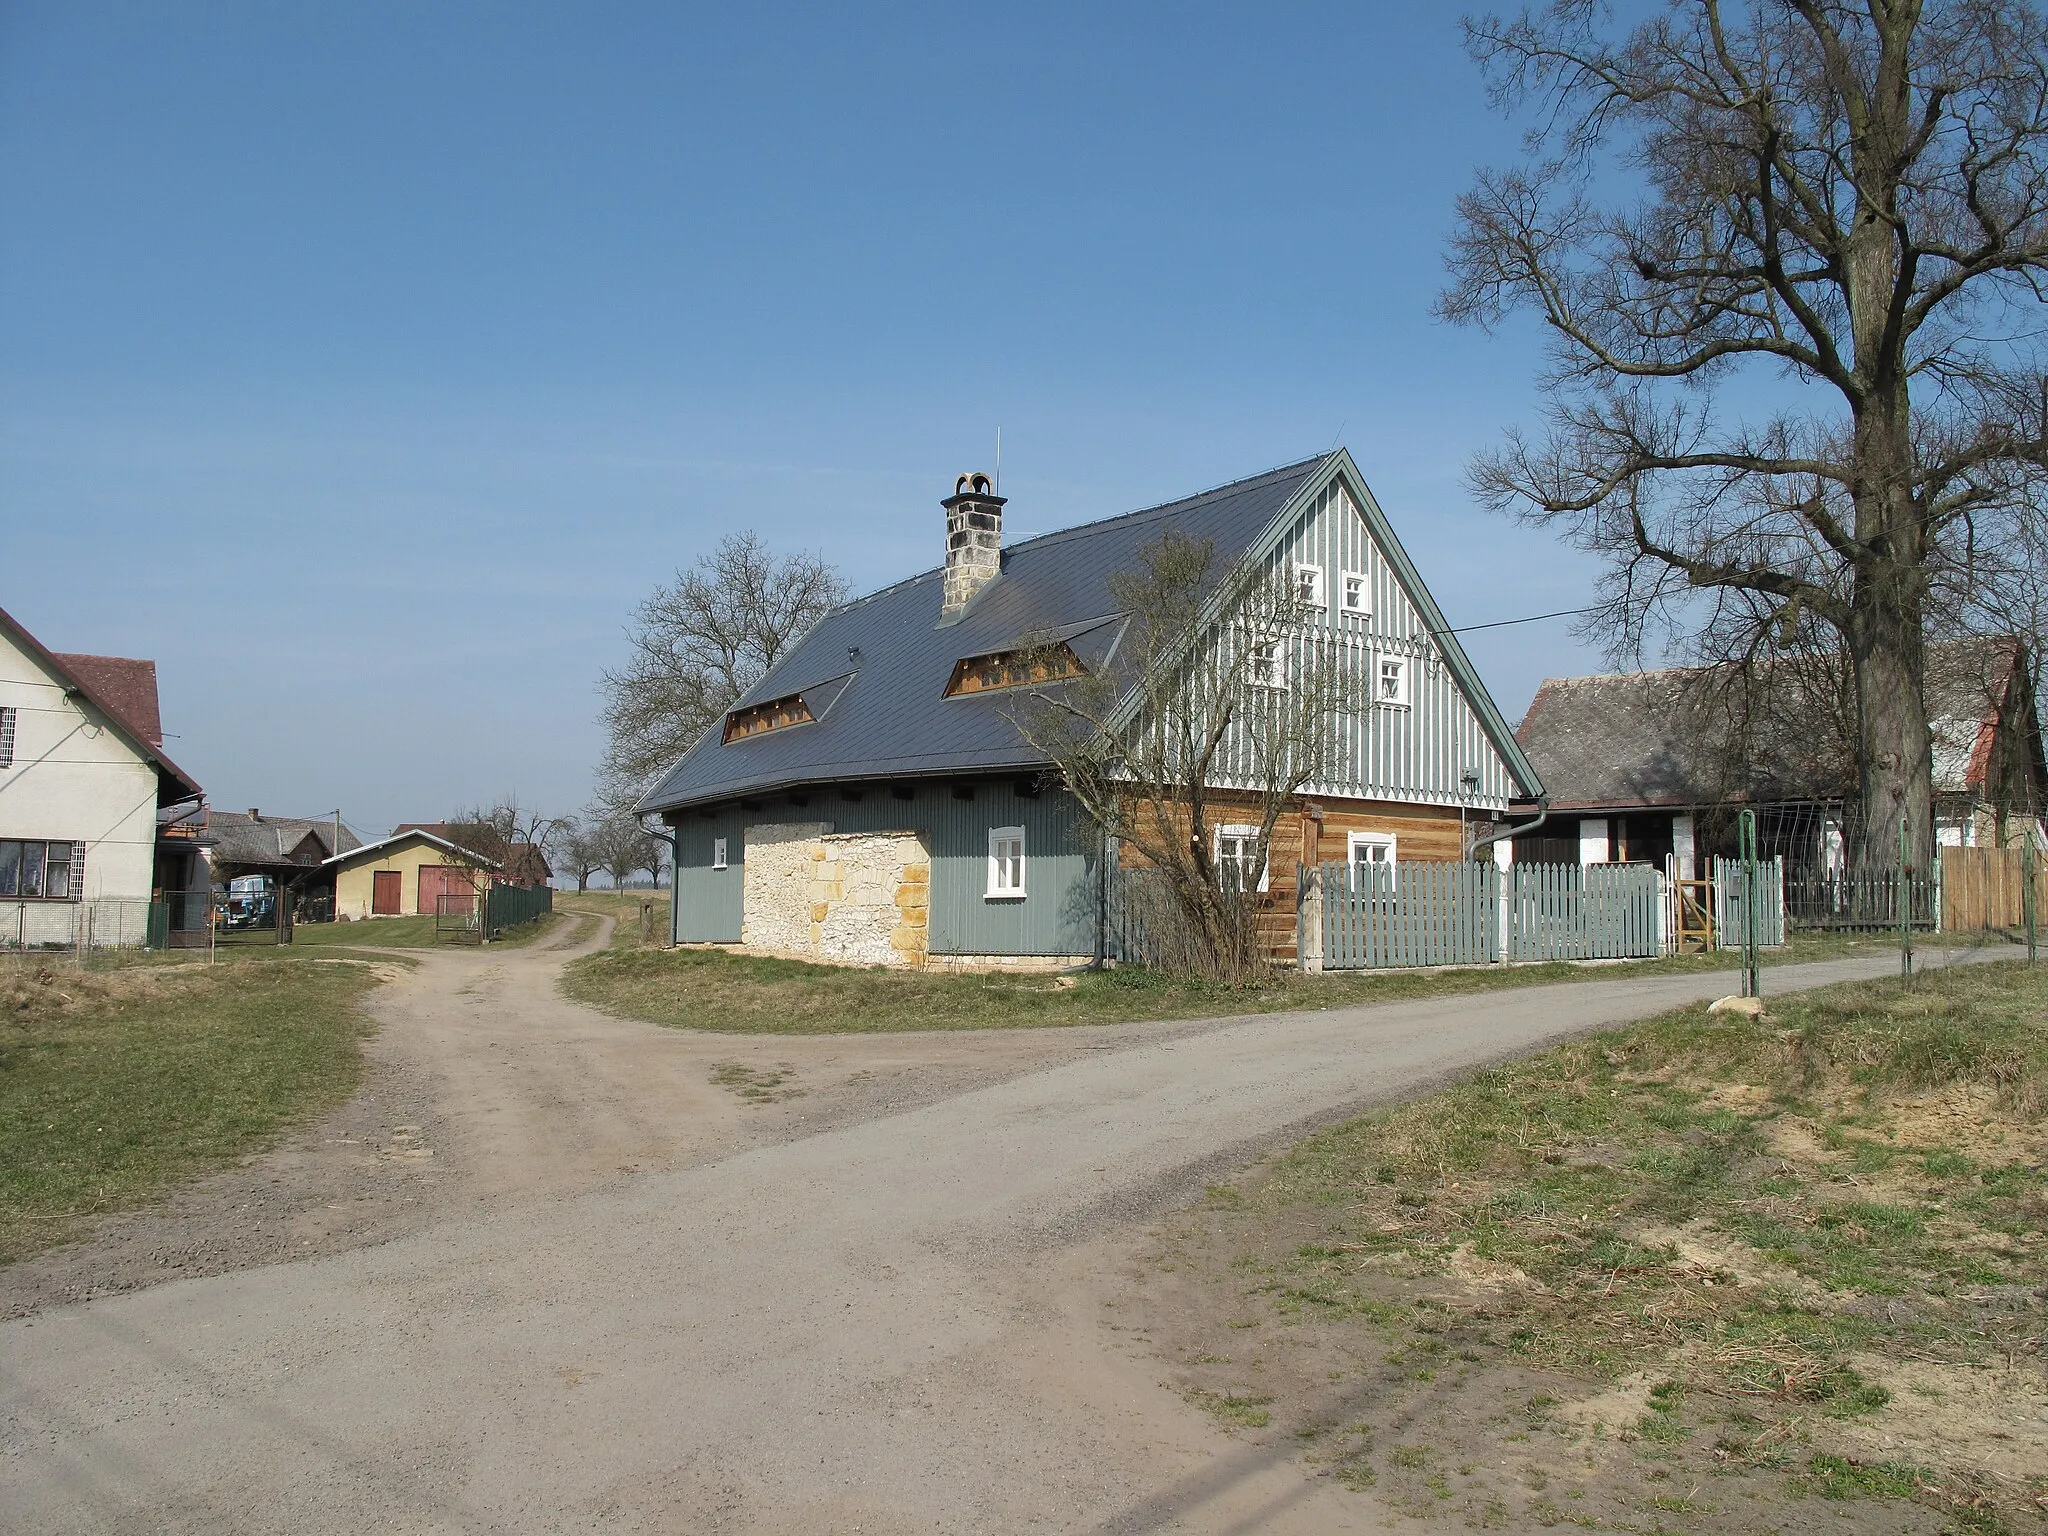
{"points": [[405, 874]]}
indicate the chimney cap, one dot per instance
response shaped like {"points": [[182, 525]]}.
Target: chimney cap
{"points": [[973, 486]]}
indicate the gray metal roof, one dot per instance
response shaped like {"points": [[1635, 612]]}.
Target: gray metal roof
{"points": [[890, 718], [233, 838]]}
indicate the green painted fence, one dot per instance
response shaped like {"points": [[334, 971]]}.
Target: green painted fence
{"points": [[1377, 915], [1390, 915], [1584, 912], [507, 906], [1730, 903]]}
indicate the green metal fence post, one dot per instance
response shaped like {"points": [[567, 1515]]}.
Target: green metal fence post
{"points": [[1905, 906], [2028, 898], [1751, 981]]}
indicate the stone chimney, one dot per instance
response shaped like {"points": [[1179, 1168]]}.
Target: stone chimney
{"points": [[974, 542]]}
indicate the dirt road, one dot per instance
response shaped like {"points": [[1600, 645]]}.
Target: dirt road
{"points": [[636, 1301]]}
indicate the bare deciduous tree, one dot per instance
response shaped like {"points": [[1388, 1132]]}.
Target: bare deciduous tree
{"points": [[1219, 707], [1851, 195], [700, 642], [620, 845], [495, 830], [580, 852]]}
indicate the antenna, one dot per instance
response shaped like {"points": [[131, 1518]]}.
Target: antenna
{"points": [[999, 461]]}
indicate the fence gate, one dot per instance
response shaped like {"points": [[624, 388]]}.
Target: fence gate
{"points": [[1409, 914], [1584, 912], [457, 917], [1730, 913]]}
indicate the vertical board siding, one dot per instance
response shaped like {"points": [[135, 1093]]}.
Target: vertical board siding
{"points": [[1056, 917], [708, 908], [1416, 753]]}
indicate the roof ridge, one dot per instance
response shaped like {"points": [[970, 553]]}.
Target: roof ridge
{"points": [[1246, 482], [1176, 504]]}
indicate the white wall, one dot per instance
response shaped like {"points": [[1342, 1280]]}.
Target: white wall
{"points": [[1593, 845], [76, 779]]}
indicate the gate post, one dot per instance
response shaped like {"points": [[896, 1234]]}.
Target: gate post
{"points": [[1308, 918]]}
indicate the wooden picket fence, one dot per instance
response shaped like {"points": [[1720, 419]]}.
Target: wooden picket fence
{"points": [[1584, 912], [1389, 915], [1984, 889], [1376, 915], [1730, 903]]}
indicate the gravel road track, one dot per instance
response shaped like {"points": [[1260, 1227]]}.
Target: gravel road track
{"points": [[633, 1301]]}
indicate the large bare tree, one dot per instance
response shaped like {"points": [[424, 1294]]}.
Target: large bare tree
{"points": [[700, 642], [1841, 205], [1217, 707]]}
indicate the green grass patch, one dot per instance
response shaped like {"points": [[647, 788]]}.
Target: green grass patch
{"points": [[116, 1086], [713, 989]]}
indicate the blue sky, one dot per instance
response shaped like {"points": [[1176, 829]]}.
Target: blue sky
{"points": [[366, 364]]}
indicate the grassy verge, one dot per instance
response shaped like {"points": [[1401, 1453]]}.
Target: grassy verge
{"points": [[115, 1086], [752, 994], [1700, 1268]]}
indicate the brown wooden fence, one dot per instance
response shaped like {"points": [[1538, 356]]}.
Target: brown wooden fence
{"points": [[1981, 888]]}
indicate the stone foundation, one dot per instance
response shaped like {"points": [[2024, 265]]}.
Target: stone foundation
{"points": [[846, 898]]}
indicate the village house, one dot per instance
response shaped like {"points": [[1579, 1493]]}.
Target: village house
{"points": [[871, 801], [406, 874], [1642, 767], [90, 804]]}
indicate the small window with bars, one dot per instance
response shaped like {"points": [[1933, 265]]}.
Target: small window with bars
{"points": [[1268, 668], [6, 735], [1006, 864]]}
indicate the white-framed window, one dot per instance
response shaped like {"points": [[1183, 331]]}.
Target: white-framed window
{"points": [[1308, 586], [1268, 667], [1355, 596], [1005, 863], [1367, 850], [1390, 683], [1238, 860], [6, 735], [718, 853]]}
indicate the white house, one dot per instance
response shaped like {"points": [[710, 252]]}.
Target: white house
{"points": [[89, 803]]}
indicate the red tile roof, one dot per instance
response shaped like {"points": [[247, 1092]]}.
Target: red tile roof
{"points": [[123, 686]]}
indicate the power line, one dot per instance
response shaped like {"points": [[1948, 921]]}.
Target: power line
{"points": [[1534, 618]]}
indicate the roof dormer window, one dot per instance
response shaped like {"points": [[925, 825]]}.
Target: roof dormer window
{"points": [[774, 715], [1014, 669]]}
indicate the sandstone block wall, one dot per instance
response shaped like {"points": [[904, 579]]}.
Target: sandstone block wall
{"points": [[848, 898]]}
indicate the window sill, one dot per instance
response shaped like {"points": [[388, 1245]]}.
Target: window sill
{"points": [[1004, 895]]}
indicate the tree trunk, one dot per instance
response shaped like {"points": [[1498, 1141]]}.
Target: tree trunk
{"points": [[1894, 759]]}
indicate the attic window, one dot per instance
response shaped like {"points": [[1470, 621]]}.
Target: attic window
{"points": [[775, 715], [1013, 669]]}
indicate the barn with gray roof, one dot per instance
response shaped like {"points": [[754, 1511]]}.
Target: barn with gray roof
{"points": [[871, 801]]}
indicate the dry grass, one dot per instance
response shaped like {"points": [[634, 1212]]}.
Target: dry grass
{"points": [[1799, 1244]]}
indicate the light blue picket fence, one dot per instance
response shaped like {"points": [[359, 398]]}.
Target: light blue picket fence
{"points": [[1584, 912], [1409, 914], [1730, 907], [1387, 915]]}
